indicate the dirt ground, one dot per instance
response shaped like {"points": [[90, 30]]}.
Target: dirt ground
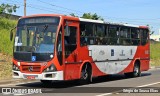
{"points": [[5, 66]]}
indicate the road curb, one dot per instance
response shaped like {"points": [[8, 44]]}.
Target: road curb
{"points": [[154, 67]]}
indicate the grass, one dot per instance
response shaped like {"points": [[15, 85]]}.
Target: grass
{"points": [[6, 47], [5, 44], [155, 54]]}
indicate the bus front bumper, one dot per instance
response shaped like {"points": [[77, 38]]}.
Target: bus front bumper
{"points": [[57, 75]]}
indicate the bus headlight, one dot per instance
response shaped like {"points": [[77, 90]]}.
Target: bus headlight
{"points": [[15, 67], [47, 69], [51, 68]]}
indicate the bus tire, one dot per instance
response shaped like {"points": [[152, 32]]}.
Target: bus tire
{"points": [[136, 71], [86, 74]]}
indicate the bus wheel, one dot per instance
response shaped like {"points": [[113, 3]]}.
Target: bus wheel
{"points": [[46, 82], [85, 74], [136, 71]]}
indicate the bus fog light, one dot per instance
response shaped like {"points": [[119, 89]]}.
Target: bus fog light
{"points": [[48, 75], [52, 68], [54, 75], [15, 74]]}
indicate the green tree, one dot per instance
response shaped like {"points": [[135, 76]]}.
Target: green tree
{"points": [[8, 9], [89, 16], [150, 29], [72, 14], [92, 16]]}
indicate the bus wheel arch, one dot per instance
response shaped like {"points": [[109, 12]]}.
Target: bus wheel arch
{"points": [[136, 69], [86, 72]]}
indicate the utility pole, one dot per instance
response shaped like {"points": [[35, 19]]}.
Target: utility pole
{"points": [[24, 7]]}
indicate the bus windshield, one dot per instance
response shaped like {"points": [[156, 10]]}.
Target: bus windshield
{"points": [[35, 38]]}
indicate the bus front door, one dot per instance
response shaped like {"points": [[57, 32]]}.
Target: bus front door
{"points": [[70, 46]]}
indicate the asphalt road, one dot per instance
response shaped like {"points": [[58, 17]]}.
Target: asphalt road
{"points": [[114, 85]]}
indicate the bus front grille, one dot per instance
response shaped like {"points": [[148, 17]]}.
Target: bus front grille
{"points": [[31, 68]]}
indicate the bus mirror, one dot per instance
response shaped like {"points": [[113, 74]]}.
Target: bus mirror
{"points": [[151, 33], [11, 34]]}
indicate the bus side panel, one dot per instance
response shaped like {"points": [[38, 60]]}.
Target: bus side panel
{"points": [[107, 67], [84, 55], [73, 70], [113, 59], [129, 68], [96, 71], [143, 52], [144, 65]]}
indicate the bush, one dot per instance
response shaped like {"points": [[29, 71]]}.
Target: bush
{"points": [[155, 51], [5, 44]]}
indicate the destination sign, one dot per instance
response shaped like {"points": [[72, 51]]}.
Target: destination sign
{"points": [[33, 20]]}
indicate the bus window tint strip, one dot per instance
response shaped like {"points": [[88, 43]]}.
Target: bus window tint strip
{"points": [[106, 34]]}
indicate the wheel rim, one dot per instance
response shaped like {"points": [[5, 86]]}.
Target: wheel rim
{"points": [[84, 74], [136, 71]]}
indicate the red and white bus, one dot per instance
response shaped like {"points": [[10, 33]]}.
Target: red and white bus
{"points": [[57, 47]]}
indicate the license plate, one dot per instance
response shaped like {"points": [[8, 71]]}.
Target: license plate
{"points": [[30, 77]]}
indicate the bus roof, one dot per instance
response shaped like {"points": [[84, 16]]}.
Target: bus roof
{"points": [[37, 15], [86, 20], [103, 22]]}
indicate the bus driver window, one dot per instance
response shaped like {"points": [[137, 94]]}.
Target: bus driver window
{"points": [[83, 40]]}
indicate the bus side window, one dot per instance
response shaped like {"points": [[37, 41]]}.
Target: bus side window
{"points": [[71, 39], [99, 34], [144, 36], [135, 36], [82, 35], [112, 35], [125, 36]]}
